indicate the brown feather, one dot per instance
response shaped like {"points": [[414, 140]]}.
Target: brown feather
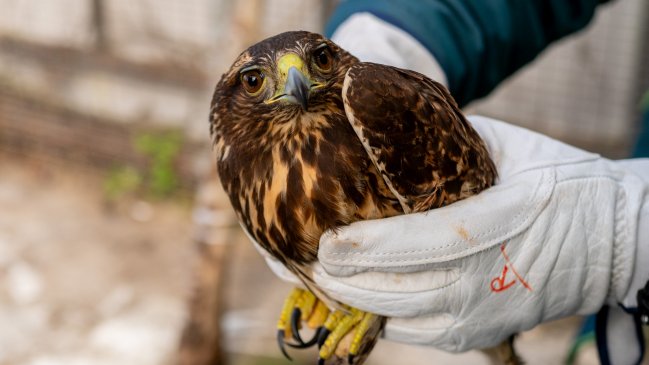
{"points": [[416, 136]]}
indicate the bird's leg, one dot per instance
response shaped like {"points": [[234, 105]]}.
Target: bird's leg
{"points": [[300, 305], [347, 333], [504, 353]]}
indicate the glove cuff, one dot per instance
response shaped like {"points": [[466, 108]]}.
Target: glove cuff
{"points": [[630, 264], [374, 40]]}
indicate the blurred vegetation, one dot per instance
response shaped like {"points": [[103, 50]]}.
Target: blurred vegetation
{"points": [[121, 181], [161, 150], [159, 178]]}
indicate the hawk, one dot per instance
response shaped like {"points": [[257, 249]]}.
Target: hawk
{"points": [[308, 138]]}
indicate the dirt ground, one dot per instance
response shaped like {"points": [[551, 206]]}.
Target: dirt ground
{"points": [[81, 283]]}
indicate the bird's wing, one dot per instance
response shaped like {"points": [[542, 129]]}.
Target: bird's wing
{"points": [[412, 130]]}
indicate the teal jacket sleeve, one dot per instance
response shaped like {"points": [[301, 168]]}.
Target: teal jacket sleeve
{"points": [[478, 43], [642, 145]]}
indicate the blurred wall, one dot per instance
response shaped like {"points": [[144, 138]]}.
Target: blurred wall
{"points": [[149, 64], [188, 43], [117, 66], [586, 88], [148, 61]]}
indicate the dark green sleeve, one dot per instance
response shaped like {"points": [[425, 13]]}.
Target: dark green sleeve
{"points": [[478, 43], [642, 145]]}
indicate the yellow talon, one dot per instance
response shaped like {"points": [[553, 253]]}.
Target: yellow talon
{"points": [[319, 315], [361, 330], [345, 332], [289, 303], [333, 320], [306, 304], [342, 328]]}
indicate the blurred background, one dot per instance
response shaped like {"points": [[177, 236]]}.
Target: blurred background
{"points": [[117, 245]]}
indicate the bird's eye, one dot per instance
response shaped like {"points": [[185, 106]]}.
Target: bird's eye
{"points": [[252, 81], [323, 59]]}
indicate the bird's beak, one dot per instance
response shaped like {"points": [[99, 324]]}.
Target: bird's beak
{"points": [[294, 83], [296, 89]]}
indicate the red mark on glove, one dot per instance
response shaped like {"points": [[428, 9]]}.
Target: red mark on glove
{"points": [[500, 283]]}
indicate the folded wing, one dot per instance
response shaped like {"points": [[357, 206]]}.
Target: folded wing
{"points": [[415, 134]]}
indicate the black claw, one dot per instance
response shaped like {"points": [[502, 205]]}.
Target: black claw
{"points": [[296, 317], [314, 339], [281, 342], [295, 345], [321, 361], [308, 344], [350, 359], [323, 333]]}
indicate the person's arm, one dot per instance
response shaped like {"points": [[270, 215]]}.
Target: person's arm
{"points": [[477, 43], [642, 144]]}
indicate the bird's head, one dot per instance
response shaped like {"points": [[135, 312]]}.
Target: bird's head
{"points": [[281, 80]]}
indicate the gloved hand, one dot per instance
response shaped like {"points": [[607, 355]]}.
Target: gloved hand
{"points": [[562, 232]]}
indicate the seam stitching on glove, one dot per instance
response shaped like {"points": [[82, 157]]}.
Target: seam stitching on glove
{"points": [[368, 291], [543, 189], [620, 236], [591, 177], [551, 164]]}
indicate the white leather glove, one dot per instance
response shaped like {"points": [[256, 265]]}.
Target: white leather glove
{"points": [[563, 232]]}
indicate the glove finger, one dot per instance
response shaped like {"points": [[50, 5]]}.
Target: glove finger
{"points": [[394, 294], [426, 331], [416, 242], [444, 332]]}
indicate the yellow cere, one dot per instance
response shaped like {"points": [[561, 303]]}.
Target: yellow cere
{"points": [[287, 61], [283, 65]]}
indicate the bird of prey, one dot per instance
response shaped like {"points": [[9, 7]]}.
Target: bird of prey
{"points": [[308, 139]]}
